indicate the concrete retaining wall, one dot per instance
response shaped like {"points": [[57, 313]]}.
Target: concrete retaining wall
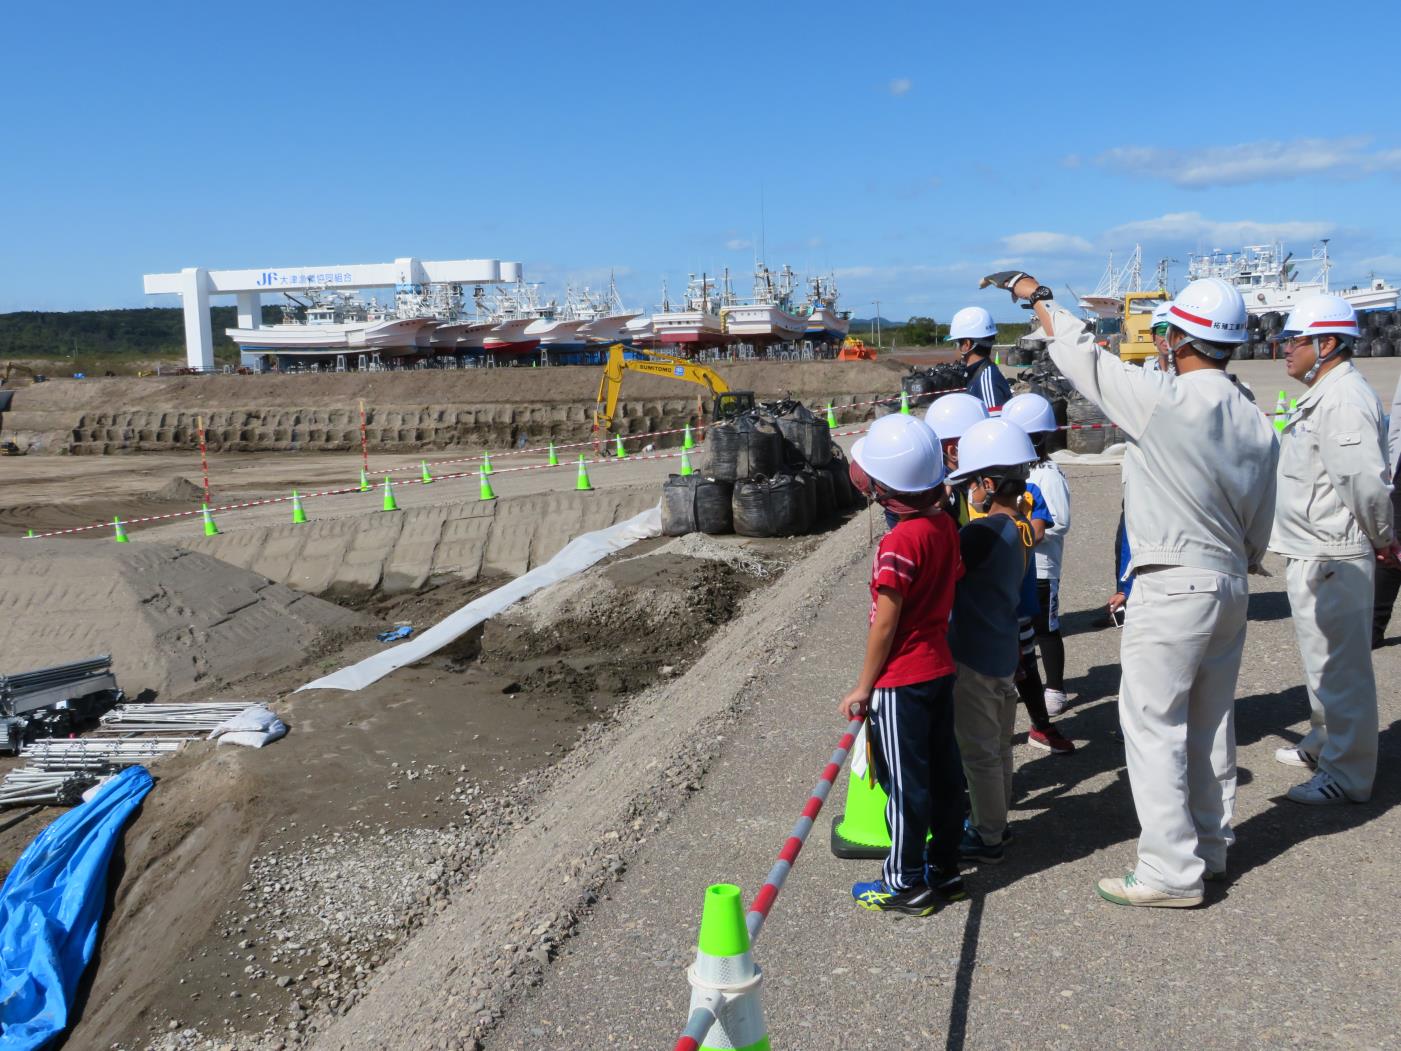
{"points": [[400, 552]]}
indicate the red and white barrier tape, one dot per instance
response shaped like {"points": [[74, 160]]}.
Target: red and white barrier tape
{"points": [[703, 1017], [379, 487]]}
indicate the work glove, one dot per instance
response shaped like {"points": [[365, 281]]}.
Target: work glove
{"points": [[1004, 279]]}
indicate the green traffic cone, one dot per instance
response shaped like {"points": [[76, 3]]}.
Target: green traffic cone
{"points": [[618, 450], [686, 468], [582, 483], [861, 832], [554, 456], [484, 488], [121, 536], [687, 442], [210, 529], [298, 515], [29, 534], [722, 930], [424, 476], [831, 415], [364, 481], [486, 463], [904, 403], [389, 504]]}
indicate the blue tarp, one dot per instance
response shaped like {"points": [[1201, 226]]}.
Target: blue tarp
{"points": [[50, 910]]}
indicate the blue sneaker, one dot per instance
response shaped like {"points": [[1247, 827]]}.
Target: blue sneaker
{"points": [[878, 897], [972, 848]]}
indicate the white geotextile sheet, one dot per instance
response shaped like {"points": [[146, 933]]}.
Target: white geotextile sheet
{"points": [[575, 557], [1113, 454]]}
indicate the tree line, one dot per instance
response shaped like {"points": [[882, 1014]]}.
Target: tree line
{"points": [[147, 331]]}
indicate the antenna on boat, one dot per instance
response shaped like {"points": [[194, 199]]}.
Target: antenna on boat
{"points": [[763, 228]]}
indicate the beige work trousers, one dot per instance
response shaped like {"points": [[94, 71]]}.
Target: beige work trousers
{"points": [[1180, 654], [1332, 605], [984, 713]]}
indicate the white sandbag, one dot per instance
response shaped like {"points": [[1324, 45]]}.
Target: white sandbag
{"points": [[253, 727]]}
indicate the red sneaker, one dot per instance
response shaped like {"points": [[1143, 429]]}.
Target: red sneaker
{"points": [[1051, 741]]}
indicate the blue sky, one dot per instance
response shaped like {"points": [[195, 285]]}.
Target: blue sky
{"points": [[907, 147]]}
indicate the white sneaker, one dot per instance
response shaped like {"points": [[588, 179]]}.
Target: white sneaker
{"points": [[1319, 790], [1296, 757], [1056, 701], [1127, 890]]}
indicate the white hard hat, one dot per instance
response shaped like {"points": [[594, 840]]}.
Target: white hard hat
{"points": [[1161, 315], [1321, 315], [952, 414], [972, 323], [1031, 412], [992, 444], [1211, 310], [901, 454]]}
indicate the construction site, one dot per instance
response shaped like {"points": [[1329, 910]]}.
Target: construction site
{"points": [[505, 842]]}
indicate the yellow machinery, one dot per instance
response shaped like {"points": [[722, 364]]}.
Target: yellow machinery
{"points": [[727, 403], [1136, 336]]}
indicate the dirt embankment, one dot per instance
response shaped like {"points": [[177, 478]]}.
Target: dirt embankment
{"points": [[405, 411], [260, 891]]}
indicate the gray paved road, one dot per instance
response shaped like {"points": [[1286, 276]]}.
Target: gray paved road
{"points": [[1299, 950]]}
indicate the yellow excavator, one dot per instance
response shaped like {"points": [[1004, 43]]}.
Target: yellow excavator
{"points": [[727, 403]]}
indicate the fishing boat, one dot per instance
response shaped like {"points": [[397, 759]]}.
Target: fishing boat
{"points": [[825, 323], [697, 321], [1268, 279], [769, 314], [605, 318], [332, 321]]}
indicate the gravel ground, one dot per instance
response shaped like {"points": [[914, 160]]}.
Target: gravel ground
{"points": [[1294, 951]]}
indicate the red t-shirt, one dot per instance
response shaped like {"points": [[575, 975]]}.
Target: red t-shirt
{"points": [[920, 559]]}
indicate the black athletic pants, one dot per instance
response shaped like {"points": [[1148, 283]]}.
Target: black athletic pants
{"points": [[1388, 585], [1029, 688], [919, 767], [1048, 639]]}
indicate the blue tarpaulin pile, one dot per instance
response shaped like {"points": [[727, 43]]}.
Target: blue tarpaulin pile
{"points": [[51, 908]]}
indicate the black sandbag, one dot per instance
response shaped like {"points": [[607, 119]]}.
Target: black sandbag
{"points": [[747, 446], [1087, 437], [840, 469], [809, 486], [826, 495], [768, 506], [806, 436], [695, 503]]}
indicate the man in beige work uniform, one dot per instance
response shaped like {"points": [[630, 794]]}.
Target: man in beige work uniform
{"points": [[1199, 492], [1332, 523]]}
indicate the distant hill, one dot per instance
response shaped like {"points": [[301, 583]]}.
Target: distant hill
{"points": [[145, 331]]}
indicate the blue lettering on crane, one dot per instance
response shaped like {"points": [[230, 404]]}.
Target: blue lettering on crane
{"points": [[679, 371]]}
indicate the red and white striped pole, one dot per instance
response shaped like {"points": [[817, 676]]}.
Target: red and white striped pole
{"points": [[203, 457], [364, 440], [705, 1008]]}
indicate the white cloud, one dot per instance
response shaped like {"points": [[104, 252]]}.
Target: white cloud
{"points": [[1193, 228], [1249, 162], [901, 85], [739, 244], [1042, 242]]}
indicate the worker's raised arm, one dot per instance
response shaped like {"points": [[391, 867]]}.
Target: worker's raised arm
{"points": [[1126, 393]]}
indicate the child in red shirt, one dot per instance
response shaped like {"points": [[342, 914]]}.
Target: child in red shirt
{"points": [[906, 681]]}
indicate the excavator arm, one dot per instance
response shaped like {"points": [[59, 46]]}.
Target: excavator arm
{"points": [[727, 402]]}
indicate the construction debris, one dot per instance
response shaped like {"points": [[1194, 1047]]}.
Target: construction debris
{"points": [[192, 720], [61, 770]]}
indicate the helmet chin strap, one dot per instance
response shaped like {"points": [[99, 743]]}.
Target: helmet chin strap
{"points": [[1320, 360]]}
